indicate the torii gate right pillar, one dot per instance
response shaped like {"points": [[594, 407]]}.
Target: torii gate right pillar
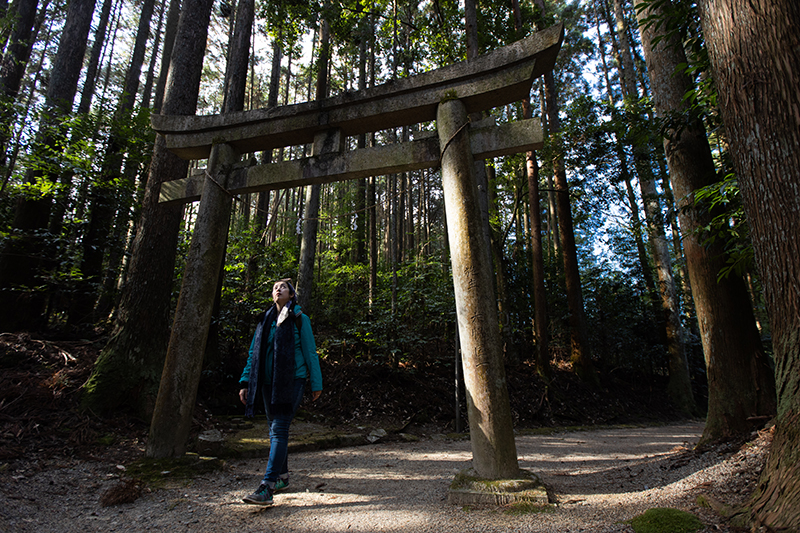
{"points": [[494, 452]]}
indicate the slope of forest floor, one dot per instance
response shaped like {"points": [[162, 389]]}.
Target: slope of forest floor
{"points": [[41, 384], [42, 429]]}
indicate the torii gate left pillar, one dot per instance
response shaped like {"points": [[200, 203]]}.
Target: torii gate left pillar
{"points": [[177, 392]]}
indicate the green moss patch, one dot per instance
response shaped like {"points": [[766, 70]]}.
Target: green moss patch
{"points": [[524, 508], [156, 472], [666, 520]]}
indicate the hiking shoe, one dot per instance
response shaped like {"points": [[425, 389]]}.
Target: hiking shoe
{"points": [[281, 484], [262, 496]]}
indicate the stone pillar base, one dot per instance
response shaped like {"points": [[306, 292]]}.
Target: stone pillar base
{"points": [[468, 488]]}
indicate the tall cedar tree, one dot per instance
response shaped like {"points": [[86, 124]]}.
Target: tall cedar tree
{"points": [[580, 351], [679, 387], [740, 381], [541, 335], [754, 48], [128, 371]]}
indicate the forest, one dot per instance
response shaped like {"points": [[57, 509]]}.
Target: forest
{"points": [[650, 250]]}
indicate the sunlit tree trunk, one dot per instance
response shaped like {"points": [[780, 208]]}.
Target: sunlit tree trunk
{"points": [[740, 380], [126, 374], [754, 48]]}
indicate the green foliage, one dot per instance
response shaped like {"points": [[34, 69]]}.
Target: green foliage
{"points": [[421, 322], [728, 224], [666, 520]]}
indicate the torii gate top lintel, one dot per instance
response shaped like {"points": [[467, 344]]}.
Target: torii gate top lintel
{"points": [[500, 77]]}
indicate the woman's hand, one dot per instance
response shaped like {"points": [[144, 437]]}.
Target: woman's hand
{"points": [[243, 395], [314, 394]]}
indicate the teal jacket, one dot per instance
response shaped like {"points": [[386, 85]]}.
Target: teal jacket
{"points": [[305, 354]]}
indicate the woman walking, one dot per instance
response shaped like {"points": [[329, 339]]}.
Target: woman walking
{"points": [[283, 356]]}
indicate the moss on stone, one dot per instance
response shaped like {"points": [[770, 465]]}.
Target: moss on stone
{"points": [[449, 95], [524, 508]]}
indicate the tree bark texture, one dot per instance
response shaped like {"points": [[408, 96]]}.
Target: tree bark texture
{"points": [[239, 56], [128, 371], [754, 48], [494, 452], [740, 380]]}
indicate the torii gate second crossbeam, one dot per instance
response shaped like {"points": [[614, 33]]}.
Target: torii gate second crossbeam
{"points": [[445, 95]]}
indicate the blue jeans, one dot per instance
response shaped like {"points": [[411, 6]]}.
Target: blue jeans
{"points": [[278, 463]]}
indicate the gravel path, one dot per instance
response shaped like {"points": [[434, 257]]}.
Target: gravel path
{"points": [[601, 478]]}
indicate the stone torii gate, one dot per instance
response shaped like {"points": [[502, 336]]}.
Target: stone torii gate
{"points": [[446, 95]]}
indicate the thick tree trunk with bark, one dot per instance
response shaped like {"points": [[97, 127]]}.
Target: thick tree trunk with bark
{"points": [[754, 48], [740, 380], [128, 371]]}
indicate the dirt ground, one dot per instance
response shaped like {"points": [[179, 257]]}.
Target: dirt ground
{"points": [[65, 470], [599, 479]]}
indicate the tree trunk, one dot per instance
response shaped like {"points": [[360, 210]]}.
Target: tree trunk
{"points": [[308, 248], [150, 78], [754, 48], [22, 258], [13, 65], [580, 351], [170, 32], [105, 195], [541, 336], [680, 386], [740, 380], [540, 317], [126, 375]]}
